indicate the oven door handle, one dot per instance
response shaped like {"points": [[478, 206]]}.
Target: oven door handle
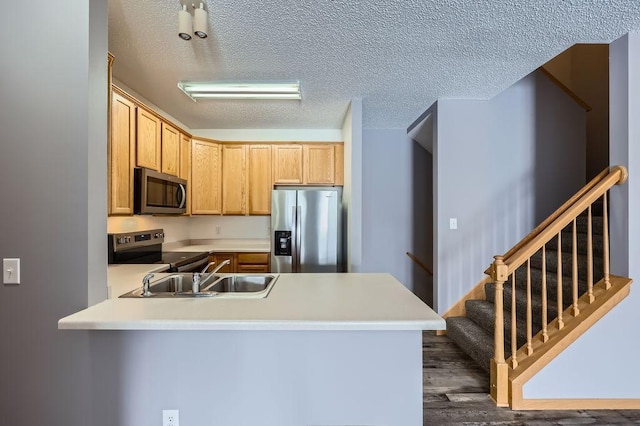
{"points": [[194, 266]]}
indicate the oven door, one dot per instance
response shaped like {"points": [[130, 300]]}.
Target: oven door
{"points": [[159, 193]]}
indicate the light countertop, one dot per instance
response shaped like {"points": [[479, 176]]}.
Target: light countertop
{"points": [[212, 246], [126, 277], [296, 302]]}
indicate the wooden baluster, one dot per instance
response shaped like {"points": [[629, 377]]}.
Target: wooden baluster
{"points": [[559, 287], [529, 313], [545, 333], [590, 296], [514, 324], [574, 270], [499, 367], [605, 240]]}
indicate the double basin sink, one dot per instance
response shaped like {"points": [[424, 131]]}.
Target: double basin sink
{"points": [[223, 285]]}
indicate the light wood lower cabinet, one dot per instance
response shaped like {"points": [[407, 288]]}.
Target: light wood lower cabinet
{"points": [[121, 155], [206, 174], [242, 263], [253, 263]]}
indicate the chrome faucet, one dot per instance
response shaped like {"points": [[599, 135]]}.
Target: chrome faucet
{"points": [[197, 284], [145, 285]]}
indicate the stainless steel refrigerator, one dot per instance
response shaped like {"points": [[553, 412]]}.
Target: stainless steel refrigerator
{"points": [[306, 230]]}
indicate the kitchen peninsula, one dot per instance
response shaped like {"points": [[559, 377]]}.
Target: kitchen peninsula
{"points": [[319, 349]]}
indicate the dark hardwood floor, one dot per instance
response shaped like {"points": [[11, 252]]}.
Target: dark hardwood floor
{"points": [[456, 393]]}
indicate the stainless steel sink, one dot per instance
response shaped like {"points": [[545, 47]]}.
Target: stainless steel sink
{"points": [[245, 283], [221, 286]]}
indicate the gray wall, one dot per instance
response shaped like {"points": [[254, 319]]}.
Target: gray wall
{"points": [[396, 196], [500, 167], [575, 373], [50, 127]]}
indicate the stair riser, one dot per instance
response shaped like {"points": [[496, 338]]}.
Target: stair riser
{"points": [[567, 264], [567, 243], [483, 314]]}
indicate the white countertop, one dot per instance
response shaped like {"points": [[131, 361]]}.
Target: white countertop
{"points": [[296, 302], [126, 277], [212, 246]]}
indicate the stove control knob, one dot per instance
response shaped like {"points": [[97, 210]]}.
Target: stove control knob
{"points": [[157, 235], [128, 239], [121, 240]]}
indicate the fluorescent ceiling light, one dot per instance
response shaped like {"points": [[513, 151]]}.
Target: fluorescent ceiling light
{"points": [[240, 90]]}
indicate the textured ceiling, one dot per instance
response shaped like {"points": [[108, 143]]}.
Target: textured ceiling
{"points": [[399, 56]]}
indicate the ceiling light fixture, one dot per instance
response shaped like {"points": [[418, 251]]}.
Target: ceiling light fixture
{"points": [[240, 90], [196, 24], [184, 24], [200, 20]]}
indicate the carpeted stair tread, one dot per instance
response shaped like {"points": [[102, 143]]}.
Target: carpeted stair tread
{"points": [[472, 339], [567, 264], [483, 313], [474, 333]]}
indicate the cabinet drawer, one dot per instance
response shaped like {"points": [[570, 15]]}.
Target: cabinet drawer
{"points": [[253, 269], [253, 258]]}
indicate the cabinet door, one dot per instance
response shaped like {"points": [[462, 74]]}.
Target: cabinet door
{"points": [[121, 155], [205, 178], [234, 179], [185, 166], [226, 269], [319, 164], [287, 164], [148, 140], [170, 150], [260, 179], [339, 170]]}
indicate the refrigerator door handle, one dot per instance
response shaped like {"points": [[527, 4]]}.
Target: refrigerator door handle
{"points": [[294, 241], [298, 238]]}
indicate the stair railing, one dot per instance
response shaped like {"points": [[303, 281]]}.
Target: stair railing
{"points": [[503, 270]]}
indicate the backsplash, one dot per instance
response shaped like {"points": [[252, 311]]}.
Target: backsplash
{"points": [[195, 227]]}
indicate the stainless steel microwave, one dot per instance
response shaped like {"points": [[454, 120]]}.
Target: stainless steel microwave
{"points": [[158, 193]]}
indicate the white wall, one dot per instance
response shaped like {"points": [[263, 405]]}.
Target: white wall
{"points": [[603, 363], [500, 167], [394, 169], [352, 189], [53, 127]]}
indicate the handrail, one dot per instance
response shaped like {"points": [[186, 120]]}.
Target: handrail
{"points": [[503, 270], [616, 175], [565, 89], [420, 264]]}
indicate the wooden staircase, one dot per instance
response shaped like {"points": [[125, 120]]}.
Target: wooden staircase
{"points": [[542, 294]]}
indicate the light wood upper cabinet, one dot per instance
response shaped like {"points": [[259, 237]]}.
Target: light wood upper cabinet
{"points": [[234, 179], [339, 168], [319, 164], [121, 155], [260, 179], [185, 166], [205, 178], [148, 140], [170, 150], [287, 164]]}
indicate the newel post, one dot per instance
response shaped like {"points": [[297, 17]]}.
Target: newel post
{"points": [[499, 368]]}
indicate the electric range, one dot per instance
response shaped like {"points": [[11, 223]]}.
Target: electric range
{"points": [[144, 247]]}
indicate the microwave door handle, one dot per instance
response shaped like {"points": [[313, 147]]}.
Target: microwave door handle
{"points": [[184, 196]]}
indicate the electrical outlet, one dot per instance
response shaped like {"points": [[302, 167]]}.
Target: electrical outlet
{"points": [[170, 418], [218, 229], [453, 223]]}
